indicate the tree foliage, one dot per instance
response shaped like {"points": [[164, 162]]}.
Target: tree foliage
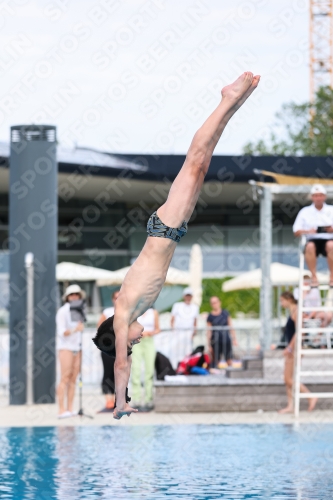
{"points": [[245, 301], [300, 129]]}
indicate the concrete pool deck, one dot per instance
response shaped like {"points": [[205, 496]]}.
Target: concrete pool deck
{"points": [[46, 415]]}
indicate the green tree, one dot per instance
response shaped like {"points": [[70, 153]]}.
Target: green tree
{"points": [[300, 129], [245, 301]]}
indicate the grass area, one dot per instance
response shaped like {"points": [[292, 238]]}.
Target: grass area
{"points": [[245, 301]]}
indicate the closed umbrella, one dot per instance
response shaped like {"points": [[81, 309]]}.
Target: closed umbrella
{"points": [[196, 273]]}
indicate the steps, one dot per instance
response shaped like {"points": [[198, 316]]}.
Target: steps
{"points": [[252, 368], [240, 373], [243, 389], [218, 394]]}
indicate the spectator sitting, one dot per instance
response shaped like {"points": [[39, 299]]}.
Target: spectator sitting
{"points": [[219, 340], [184, 319], [311, 298], [316, 222], [108, 363], [323, 339]]}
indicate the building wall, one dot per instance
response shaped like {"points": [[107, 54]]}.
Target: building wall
{"points": [[113, 237]]}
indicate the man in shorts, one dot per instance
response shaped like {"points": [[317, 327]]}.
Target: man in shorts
{"points": [[165, 228], [316, 222]]}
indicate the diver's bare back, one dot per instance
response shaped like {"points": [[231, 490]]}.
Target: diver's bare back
{"points": [[145, 279]]}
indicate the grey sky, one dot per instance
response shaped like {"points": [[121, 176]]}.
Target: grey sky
{"points": [[141, 76]]}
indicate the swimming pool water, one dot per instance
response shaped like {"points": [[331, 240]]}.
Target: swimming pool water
{"points": [[176, 462]]}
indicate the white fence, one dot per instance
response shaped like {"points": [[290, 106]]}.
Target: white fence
{"points": [[175, 344]]}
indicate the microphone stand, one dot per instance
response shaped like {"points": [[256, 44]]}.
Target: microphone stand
{"points": [[81, 412]]}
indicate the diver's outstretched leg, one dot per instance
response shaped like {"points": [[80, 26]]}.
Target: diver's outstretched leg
{"points": [[185, 189]]}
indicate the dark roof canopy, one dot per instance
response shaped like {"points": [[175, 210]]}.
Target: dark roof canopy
{"points": [[237, 168], [165, 166]]}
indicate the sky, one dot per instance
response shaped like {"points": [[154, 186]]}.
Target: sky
{"points": [[133, 76]]}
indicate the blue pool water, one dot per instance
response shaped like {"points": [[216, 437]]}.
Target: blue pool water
{"points": [[233, 462]]}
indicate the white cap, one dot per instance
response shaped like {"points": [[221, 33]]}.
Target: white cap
{"points": [[73, 289], [187, 291], [318, 188]]}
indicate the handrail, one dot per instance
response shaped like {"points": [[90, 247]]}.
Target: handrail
{"points": [[299, 324]]}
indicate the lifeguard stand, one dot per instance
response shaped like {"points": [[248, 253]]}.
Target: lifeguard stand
{"points": [[302, 331], [296, 187]]}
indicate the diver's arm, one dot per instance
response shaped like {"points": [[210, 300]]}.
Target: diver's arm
{"points": [[122, 370], [121, 367]]}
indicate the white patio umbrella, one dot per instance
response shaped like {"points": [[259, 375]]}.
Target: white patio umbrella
{"points": [[281, 275], [174, 277], [68, 271], [195, 269]]}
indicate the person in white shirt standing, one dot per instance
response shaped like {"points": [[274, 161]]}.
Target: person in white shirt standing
{"points": [[316, 222], [184, 320], [69, 334]]}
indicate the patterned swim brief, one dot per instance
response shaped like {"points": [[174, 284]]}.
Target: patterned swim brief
{"points": [[155, 227]]}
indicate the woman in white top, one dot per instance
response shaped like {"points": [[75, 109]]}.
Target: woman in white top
{"points": [[144, 353], [108, 363], [69, 350]]}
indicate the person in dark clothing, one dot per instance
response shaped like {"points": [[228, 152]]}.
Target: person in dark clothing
{"points": [[220, 341], [288, 301], [108, 384]]}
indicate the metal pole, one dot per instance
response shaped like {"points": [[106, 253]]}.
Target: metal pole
{"points": [[29, 265], [298, 342], [279, 307], [266, 260]]}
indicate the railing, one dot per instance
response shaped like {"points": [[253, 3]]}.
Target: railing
{"points": [[178, 343], [175, 344]]}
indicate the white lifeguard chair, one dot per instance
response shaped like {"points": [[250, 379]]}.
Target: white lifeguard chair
{"points": [[302, 331]]}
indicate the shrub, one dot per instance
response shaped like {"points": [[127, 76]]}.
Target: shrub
{"points": [[244, 301]]}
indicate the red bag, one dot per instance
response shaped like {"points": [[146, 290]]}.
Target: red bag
{"points": [[197, 359]]}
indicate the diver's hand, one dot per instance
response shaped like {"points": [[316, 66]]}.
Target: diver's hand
{"points": [[120, 412]]}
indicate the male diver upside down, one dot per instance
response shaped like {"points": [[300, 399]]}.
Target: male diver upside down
{"points": [[165, 228]]}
